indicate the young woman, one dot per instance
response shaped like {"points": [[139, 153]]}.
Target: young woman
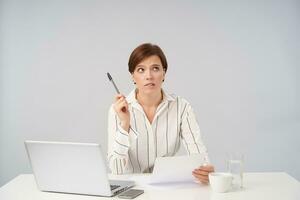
{"points": [[149, 122]]}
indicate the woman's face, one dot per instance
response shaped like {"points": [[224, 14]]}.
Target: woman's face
{"points": [[149, 75]]}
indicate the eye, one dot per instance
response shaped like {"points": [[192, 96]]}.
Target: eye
{"points": [[156, 69], [140, 70]]}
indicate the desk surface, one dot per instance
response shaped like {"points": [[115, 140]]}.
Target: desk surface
{"points": [[257, 186]]}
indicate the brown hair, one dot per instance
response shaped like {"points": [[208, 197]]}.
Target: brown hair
{"points": [[144, 51]]}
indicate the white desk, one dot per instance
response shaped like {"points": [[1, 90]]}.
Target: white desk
{"points": [[257, 186]]}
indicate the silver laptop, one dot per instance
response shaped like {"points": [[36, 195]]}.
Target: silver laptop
{"points": [[77, 168]]}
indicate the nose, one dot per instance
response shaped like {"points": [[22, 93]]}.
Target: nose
{"points": [[148, 75]]}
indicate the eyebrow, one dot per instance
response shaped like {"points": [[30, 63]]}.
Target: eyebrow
{"points": [[156, 65]]}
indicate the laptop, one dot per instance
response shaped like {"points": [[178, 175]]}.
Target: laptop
{"points": [[77, 168]]}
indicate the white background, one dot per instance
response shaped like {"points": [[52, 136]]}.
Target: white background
{"points": [[236, 62]]}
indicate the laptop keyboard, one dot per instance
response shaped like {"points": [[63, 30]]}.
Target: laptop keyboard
{"points": [[112, 187]]}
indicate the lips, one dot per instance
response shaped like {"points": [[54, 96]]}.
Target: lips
{"points": [[150, 84]]}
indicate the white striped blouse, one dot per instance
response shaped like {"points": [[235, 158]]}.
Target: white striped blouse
{"points": [[135, 151]]}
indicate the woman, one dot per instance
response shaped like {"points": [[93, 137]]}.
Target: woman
{"points": [[149, 122]]}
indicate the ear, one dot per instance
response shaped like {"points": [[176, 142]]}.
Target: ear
{"points": [[164, 75], [133, 78]]}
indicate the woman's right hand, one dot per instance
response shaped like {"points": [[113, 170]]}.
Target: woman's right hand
{"points": [[121, 108]]}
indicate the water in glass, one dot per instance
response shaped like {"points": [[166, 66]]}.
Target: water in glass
{"points": [[235, 167]]}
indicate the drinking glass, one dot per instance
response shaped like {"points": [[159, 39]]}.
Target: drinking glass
{"points": [[235, 166]]}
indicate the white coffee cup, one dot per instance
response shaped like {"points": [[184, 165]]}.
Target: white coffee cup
{"points": [[220, 182]]}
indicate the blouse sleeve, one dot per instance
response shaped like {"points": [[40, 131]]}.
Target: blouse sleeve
{"points": [[118, 144], [190, 133]]}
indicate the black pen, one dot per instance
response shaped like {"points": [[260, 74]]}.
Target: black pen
{"points": [[111, 80]]}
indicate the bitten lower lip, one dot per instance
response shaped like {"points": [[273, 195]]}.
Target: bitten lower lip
{"points": [[150, 84]]}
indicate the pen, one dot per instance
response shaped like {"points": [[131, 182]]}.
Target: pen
{"points": [[111, 80]]}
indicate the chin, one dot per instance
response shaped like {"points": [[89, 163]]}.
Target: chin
{"points": [[151, 91]]}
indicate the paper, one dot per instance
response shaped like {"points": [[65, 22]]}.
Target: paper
{"points": [[144, 181], [175, 169]]}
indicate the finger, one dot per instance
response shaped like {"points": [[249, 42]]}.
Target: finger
{"points": [[201, 172], [204, 170], [122, 106], [121, 101], [208, 168], [119, 96], [204, 181], [117, 105], [125, 108], [201, 177]]}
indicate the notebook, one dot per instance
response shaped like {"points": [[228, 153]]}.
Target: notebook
{"points": [[78, 168]]}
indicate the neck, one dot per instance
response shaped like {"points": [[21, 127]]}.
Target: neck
{"points": [[149, 100]]}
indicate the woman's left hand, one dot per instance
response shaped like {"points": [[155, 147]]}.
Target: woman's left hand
{"points": [[201, 173]]}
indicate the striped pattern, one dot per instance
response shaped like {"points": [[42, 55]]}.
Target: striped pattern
{"points": [[136, 151]]}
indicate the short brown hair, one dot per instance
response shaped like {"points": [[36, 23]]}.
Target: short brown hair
{"points": [[144, 51]]}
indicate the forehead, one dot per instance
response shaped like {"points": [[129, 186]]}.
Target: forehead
{"points": [[151, 60]]}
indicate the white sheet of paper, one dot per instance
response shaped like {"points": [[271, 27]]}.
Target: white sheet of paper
{"points": [[175, 169]]}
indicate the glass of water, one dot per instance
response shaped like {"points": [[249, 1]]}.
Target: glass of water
{"points": [[235, 166]]}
